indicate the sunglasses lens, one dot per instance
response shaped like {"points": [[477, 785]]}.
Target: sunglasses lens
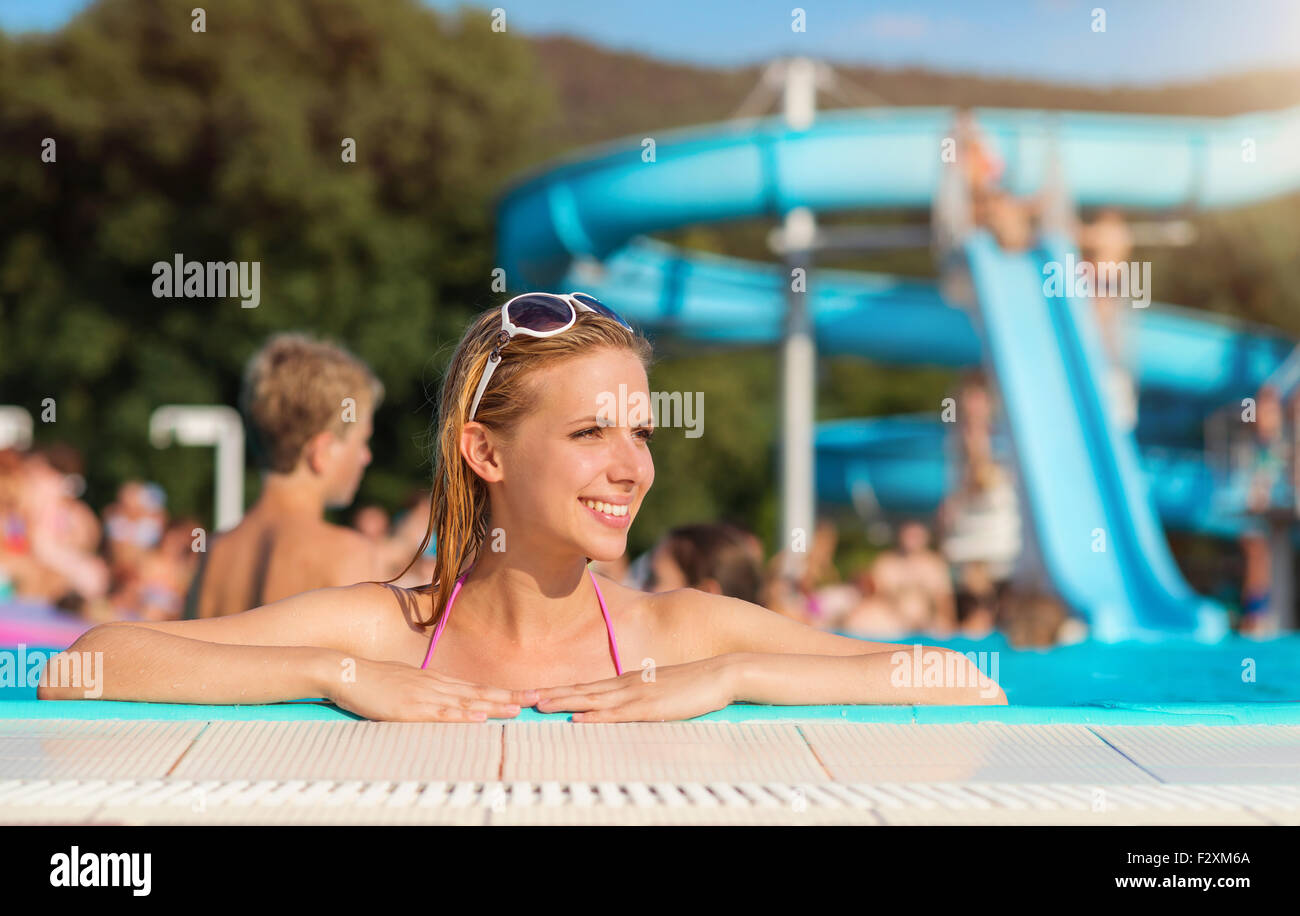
{"points": [[540, 312], [597, 306]]}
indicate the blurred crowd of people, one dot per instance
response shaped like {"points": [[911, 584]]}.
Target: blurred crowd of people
{"points": [[962, 583], [134, 564], [137, 562], [961, 576], [956, 578], [1268, 479]]}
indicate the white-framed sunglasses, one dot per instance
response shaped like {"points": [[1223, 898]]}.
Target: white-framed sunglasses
{"points": [[539, 315]]}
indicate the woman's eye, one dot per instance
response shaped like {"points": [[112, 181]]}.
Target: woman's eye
{"points": [[647, 435]]}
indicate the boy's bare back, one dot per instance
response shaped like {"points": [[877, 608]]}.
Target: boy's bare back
{"points": [[269, 556], [310, 407]]}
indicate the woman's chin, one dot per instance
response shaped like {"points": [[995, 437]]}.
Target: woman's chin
{"points": [[607, 550]]}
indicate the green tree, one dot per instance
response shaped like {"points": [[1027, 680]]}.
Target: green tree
{"points": [[227, 144]]}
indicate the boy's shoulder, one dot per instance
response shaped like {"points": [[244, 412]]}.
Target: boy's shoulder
{"points": [[346, 552], [342, 537]]}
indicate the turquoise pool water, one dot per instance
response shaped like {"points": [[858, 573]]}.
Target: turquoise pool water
{"points": [[1238, 681]]}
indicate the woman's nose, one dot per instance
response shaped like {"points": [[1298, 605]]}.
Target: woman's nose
{"points": [[630, 459]]}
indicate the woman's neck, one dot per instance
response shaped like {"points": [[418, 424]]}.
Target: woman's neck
{"points": [[524, 597]]}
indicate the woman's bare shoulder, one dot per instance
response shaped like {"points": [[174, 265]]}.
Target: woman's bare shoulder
{"points": [[631, 604], [358, 618], [712, 625], [670, 622], [392, 608], [383, 621]]}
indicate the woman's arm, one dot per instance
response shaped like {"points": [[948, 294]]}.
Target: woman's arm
{"points": [[772, 659], [282, 651], [317, 644], [135, 662], [735, 651]]}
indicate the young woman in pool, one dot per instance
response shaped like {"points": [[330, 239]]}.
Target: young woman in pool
{"points": [[534, 477]]}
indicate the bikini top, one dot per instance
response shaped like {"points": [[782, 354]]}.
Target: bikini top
{"points": [[433, 643]]}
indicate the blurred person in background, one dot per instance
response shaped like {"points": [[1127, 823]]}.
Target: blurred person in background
{"points": [[640, 572], [53, 534], [712, 557], [134, 525], [1032, 619], [372, 521], [15, 553], [872, 615], [398, 539], [406, 533], [914, 582], [980, 518], [1265, 461], [309, 406], [992, 207], [1105, 242], [981, 165], [817, 597], [160, 579], [1008, 218]]}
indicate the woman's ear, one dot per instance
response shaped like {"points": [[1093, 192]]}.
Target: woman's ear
{"points": [[479, 452]]}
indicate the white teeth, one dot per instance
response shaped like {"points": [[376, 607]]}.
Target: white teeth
{"points": [[606, 508]]}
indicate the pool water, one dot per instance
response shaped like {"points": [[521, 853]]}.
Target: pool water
{"points": [[1237, 681], [1236, 670]]}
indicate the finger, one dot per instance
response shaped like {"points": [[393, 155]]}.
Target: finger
{"points": [[469, 703], [586, 701], [484, 692], [435, 712], [494, 710], [613, 683], [452, 712], [623, 712]]}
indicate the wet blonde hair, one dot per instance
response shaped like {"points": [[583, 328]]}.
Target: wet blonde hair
{"points": [[459, 507]]}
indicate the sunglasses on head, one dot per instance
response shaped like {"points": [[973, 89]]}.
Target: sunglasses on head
{"points": [[539, 315]]}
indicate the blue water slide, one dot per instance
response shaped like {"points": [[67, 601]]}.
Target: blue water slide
{"points": [[580, 223], [1093, 519], [1202, 360], [591, 204]]}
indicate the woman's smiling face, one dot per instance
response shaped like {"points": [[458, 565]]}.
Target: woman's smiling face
{"points": [[574, 451]]}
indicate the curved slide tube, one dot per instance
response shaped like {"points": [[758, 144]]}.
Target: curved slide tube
{"points": [[556, 226], [902, 321], [591, 204]]}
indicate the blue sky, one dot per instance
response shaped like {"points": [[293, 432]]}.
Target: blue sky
{"points": [[1146, 41]]}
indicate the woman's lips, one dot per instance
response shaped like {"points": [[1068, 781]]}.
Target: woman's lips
{"points": [[613, 521]]}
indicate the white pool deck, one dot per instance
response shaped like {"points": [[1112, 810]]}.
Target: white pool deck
{"points": [[61, 771]]}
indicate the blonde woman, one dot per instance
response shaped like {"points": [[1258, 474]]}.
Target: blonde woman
{"points": [[535, 476]]}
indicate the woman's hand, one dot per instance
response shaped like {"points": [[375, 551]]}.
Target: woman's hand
{"points": [[397, 692], [649, 695]]}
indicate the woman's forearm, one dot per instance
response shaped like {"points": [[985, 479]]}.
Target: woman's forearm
{"points": [[916, 676], [123, 662]]}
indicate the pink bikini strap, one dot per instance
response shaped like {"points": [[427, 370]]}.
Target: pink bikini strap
{"points": [[608, 626], [604, 612], [433, 643]]}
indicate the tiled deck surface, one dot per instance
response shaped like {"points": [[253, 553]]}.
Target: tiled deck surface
{"points": [[816, 772]]}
